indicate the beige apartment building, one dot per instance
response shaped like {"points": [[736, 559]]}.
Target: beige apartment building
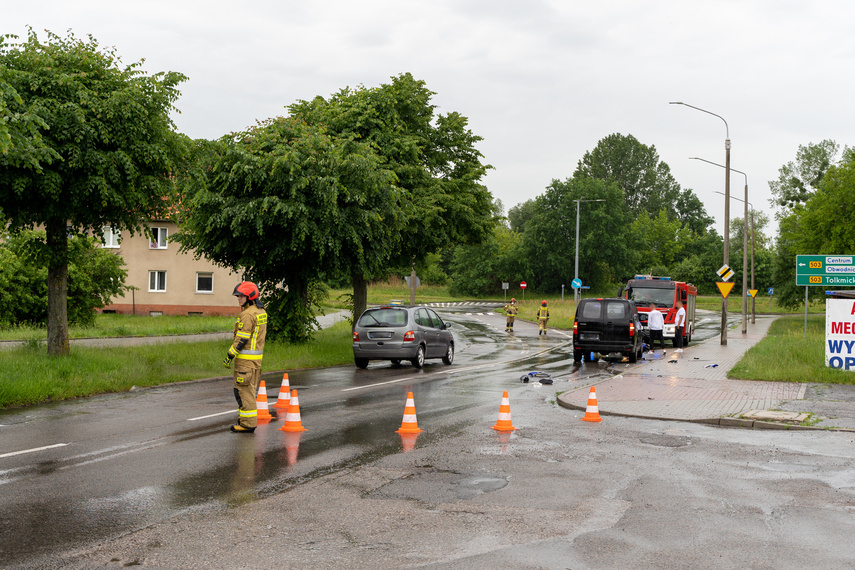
{"points": [[168, 282]]}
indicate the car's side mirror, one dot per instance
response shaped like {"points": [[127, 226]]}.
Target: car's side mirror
{"points": [[446, 326]]}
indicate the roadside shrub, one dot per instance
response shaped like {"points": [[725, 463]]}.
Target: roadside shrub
{"points": [[95, 275]]}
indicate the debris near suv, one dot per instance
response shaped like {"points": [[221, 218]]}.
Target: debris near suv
{"points": [[607, 326], [399, 333]]}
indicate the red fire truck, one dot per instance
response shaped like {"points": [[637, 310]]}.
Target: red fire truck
{"points": [[664, 293]]}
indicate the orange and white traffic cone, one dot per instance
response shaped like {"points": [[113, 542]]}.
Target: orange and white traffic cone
{"points": [[284, 398], [409, 423], [292, 418], [592, 413], [261, 404], [504, 421]]}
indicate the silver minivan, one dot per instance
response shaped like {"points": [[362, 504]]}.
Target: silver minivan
{"points": [[399, 333]]}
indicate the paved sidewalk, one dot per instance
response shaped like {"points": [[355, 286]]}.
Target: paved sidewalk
{"points": [[696, 388]]}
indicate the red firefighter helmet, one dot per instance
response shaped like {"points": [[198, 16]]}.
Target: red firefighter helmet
{"points": [[247, 288], [543, 303], [513, 300]]}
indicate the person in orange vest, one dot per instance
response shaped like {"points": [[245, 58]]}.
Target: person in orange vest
{"points": [[511, 311], [542, 318], [247, 350]]}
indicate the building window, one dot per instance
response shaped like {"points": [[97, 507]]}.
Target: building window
{"points": [[158, 238], [157, 281], [111, 238], [204, 282]]}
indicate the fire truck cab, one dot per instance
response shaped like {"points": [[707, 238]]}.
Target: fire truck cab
{"points": [[664, 293]]}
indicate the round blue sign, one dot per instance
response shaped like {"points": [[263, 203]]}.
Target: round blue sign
{"points": [[576, 284]]}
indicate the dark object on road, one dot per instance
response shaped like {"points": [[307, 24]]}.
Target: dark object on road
{"points": [[542, 377], [607, 326], [711, 366], [672, 361], [401, 333]]}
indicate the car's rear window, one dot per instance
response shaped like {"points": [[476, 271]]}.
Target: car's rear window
{"points": [[592, 310], [383, 318], [615, 310]]}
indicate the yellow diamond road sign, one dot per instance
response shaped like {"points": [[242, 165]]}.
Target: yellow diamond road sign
{"points": [[724, 288], [753, 292], [725, 272]]}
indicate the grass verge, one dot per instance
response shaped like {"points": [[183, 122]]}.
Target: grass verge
{"points": [[786, 356], [128, 325], [31, 377]]}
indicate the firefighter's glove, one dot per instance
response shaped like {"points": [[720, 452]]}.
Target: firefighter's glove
{"points": [[227, 361]]}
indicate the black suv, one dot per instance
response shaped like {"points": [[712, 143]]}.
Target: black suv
{"points": [[607, 326]]}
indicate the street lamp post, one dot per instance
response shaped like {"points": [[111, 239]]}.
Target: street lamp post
{"points": [[753, 316], [744, 247], [576, 272], [726, 208]]}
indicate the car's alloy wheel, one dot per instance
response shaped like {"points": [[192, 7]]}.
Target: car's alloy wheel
{"points": [[449, 355], [419, 360]]}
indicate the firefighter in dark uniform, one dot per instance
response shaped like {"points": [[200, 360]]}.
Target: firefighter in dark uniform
{"points": [[511, 311], [247, 351], [542, 318]]}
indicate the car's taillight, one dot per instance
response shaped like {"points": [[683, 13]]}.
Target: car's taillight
{"points": [[631, 329], [409, 336], [355, 336], [575, 327]]}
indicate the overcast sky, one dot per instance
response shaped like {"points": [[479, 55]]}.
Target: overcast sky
{"points": [[542, 81]]}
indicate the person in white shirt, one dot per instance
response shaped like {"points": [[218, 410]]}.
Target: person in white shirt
{"points": [[656, 323], [679, 326]]}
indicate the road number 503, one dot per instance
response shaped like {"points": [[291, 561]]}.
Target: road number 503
{"points": [[815, 264], [815, 279]]}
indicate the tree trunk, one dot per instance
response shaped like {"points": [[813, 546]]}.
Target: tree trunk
{"points": [[360, 297], [57, 317]]}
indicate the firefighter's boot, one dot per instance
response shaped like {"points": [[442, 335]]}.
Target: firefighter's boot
{"points": [[237, 428]]}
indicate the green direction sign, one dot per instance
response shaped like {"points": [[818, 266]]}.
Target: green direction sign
{"points": [[838, 270]]}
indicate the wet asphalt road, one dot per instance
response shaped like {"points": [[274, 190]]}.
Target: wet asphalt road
{"points": [[123, 462]]}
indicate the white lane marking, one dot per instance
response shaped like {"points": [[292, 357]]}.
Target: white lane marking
{"points": [[377, 384], [211, 415], [33, 450]]}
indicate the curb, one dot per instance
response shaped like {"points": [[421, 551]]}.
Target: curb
{"points": [[722, 421]]}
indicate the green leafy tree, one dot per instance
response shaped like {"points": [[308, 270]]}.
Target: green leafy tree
{"points": [[799, 178], [660, 240], [287, 203], [106, 150], [816, 221], [519, 215], [698, 262], [827, 217], [95, 275], [646, 181], [480, 270], [438, 169], [606, 250]]}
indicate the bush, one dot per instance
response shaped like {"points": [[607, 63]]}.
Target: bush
{"points": [[95, 275]]}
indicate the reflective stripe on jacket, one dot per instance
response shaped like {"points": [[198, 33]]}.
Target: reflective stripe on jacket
{"points": [[251, 331]]}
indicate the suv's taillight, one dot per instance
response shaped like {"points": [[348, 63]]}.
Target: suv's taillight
{"points": [[631, 329], [409, 336], [355, 336], [575, 327]]}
